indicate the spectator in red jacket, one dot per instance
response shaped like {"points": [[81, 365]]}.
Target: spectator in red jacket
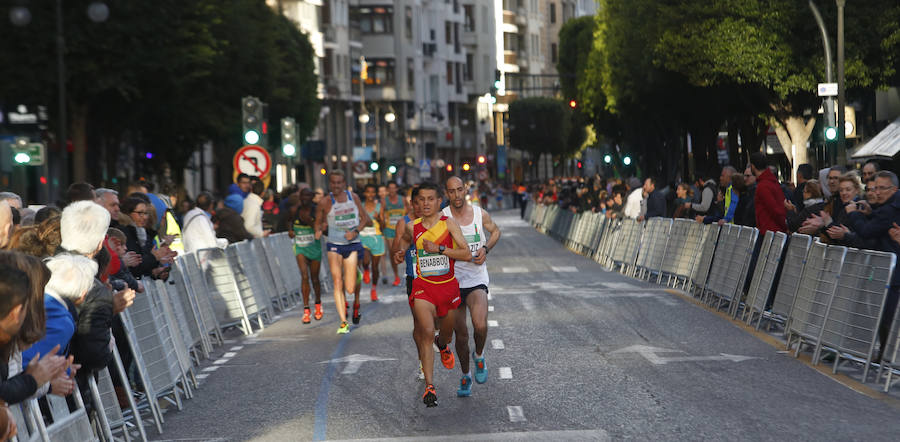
{"points": [[769, 199]]}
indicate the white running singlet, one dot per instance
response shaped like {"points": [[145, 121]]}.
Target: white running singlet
{"points": [[468, 274]]}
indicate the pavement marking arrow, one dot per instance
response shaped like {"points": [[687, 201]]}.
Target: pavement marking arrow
{"points": [[650, 354], [354, 361]]}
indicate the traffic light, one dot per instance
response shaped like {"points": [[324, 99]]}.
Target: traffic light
{"points": [[252, 120], [288, 136], [482, 159], [831, 133], [497, 79], [573, 104], [466, 167], [322, 171], [449, 168], [579, 164], [26, 153], [392, 169], [363, 69], [626, 160], [373, 166], [607, 158]]}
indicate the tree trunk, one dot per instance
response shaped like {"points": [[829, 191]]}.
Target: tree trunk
{"points": [[793, 132], [79, 143]]}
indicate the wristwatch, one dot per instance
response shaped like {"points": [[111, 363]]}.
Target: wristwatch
{"points": [[441, 249]]}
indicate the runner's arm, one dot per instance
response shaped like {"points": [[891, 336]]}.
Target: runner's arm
{"points": [[461, 251], [320, 217], [401, 241], [364, 219], [491, 228]]}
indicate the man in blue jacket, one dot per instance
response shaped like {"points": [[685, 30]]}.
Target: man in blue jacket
{"points": [[875, 230]]}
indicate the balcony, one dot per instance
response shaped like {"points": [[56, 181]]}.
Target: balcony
{"points": [[510, 57], [329, 34], [428, 49]]}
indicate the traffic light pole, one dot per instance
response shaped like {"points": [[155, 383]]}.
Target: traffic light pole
{"points": [[841, 117], [63, 172], [829, 102]]}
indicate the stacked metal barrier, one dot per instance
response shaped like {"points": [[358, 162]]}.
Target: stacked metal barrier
{"points": [[828, 298], [169, 329]]}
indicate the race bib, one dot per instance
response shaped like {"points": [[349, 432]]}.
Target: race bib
{"points": [[433, 264], [394, 218], [304, 240], [474, 243], [368, 231], [346, 221]]}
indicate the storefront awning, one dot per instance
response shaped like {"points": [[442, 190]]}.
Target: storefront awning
{"points": [[884, 145]]}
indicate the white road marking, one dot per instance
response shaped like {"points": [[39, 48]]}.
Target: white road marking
{"points": [[492, 323], [489, 297], [551, 286], [515, 413], [220, 361], [527, 302], [650, 354], [585, 435], [620, 286], [354, 361], [211, 368], [505, 373], [230, 354], [202, 376], [515, 270], [497, 344], [237, 348], [564, 269], [490, 308], [229, 341]]}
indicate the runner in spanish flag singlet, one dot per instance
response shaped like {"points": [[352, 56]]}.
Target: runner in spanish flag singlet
{"points": [[435, 292], [392, 210], [409, 257], [308, 250], [342, 213], [473, 281]]}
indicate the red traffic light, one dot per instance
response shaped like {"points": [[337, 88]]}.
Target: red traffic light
{"points": [[481, 159], [573, 104], [579, 164], [265, 127]]}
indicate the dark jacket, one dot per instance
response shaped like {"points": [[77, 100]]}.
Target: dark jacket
{"points": [[745, 214], [16, 389], [90, 344], [875, 229], [230, 225], [797, 195], [656, 204], [769, 202], [795, 219], [134, 244]]}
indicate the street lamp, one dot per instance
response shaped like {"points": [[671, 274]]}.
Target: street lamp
{"points": [[390, 117], [364, 118]]}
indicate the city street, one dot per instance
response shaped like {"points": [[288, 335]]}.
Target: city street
{"points": [[574, 353]]}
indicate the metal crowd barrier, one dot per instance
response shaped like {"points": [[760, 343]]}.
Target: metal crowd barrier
{"points": [[249, 279], [194, 283], [233, 306], [829, 298]]}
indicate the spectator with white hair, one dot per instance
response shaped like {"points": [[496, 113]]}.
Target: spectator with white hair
{"points": [[71, 276], [83, 227], [109, 200], [15, 201]]}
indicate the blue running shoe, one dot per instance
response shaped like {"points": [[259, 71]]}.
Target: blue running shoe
{"points": [[465, 387], [480, 369]]}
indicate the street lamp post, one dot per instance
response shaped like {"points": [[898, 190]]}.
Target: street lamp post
{"points": [[829, 102]]}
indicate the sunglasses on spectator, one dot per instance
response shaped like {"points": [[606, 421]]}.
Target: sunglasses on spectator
{"points": [[882, 188]]}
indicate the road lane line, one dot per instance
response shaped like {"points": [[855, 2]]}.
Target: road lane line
{"points": [[505, 373], [497, 344], [220, 361], [320, 424], [230, 354], [516, 414], [211, 368], [229, 341], [515, 270], [490, 308], [202, 376], [564, 269], [489, 297], [492, 323], [239, 347]]}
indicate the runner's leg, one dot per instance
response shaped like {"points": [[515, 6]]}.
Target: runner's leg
{"points": [[461, 329], [350, 270], [314, 268], [336, 264], [303, 264], [423, 333], [477, 303]]}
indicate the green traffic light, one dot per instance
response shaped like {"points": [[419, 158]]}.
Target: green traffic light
{"points": [[392, 169], [289, 149], [831, 133], [607, 159], [626, 160], [251, 137], [22, 158], [373, 166]]}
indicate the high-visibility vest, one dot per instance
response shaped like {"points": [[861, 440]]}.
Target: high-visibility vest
{"points": [[173, 230]]}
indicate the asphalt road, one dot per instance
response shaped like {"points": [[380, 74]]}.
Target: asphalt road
{"points": [[575, 353]]}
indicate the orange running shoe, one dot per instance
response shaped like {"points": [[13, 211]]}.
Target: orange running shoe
{"points": [[318, 312], [447, 357], [356, 315], [374, 295], [366, 277], [430, 396], [306, 315], [397, 282]]}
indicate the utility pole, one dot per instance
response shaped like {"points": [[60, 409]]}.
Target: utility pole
{"points": [[842, 99], [829, 102]]}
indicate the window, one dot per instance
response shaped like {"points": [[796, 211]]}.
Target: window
{"points": [[449, 72], [456, 47], [448, 33], [326, 12], [553, 52], [469, 67], [459, 68], [375, 19], [510, 42], [408, 23], [469, 20], [381, 72], [327, 67], [485, 18], [410, 74], [552, 12]]}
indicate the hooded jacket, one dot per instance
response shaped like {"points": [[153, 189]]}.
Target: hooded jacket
{"points": [[769, 203]]}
